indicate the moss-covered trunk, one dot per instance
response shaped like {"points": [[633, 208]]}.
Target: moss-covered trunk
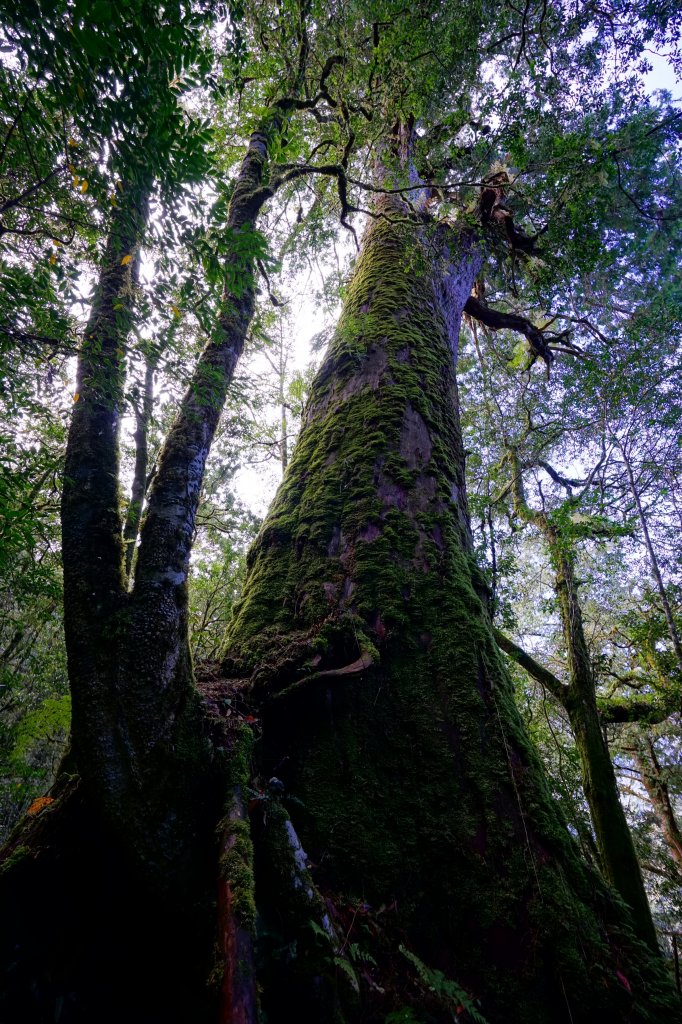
{"points": [[142, 774], [388, 727], [617, 856]]}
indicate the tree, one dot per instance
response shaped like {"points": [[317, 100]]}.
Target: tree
{"points": [[577, 422], [376, 632], [362, 583], [579, 699], [593, 686], [588, 712]]}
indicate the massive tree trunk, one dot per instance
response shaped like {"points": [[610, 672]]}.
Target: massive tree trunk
{"points": [[363, 650]]}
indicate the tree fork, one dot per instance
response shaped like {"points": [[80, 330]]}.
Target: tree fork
{"points": [[614, 841]]}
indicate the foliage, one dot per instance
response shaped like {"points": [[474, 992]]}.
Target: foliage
{"points": [[447, 992]]}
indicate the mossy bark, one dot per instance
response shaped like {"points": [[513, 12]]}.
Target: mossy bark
{"points": [[136, 723], [149, 797], [617, 856], [363, 638], [87, 916]]}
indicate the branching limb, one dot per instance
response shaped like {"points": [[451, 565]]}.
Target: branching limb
{"points": [[513, 322], [649, 709], [361, 664], [542, 675], [271, 295], [17, 200], [563, 481]]}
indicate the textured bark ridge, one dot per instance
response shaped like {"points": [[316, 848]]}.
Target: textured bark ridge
{"points": [[389, 730]]}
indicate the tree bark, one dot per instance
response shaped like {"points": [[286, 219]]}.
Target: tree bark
{"points": [[92, 545], [653, 780], [363, 645], [143, 418], [653, 561], [137, 732], [149, 789], [614, 841]]}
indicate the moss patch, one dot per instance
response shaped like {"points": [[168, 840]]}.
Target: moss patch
{"points": [[413, 783]]}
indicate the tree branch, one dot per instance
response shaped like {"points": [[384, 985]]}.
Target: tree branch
{"points": [[542, 675], [497, 320], [647, 709]]}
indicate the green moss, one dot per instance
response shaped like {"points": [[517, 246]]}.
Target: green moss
{"points": [[18, 854], [236, 859], [47, 722], [353, 450], [236, 868], [415, 784]]}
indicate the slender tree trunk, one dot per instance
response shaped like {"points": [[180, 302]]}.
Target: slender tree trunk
{"points": [[614, 841], [653, 780], [653, 561], [92, 542], [389, 731]]}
